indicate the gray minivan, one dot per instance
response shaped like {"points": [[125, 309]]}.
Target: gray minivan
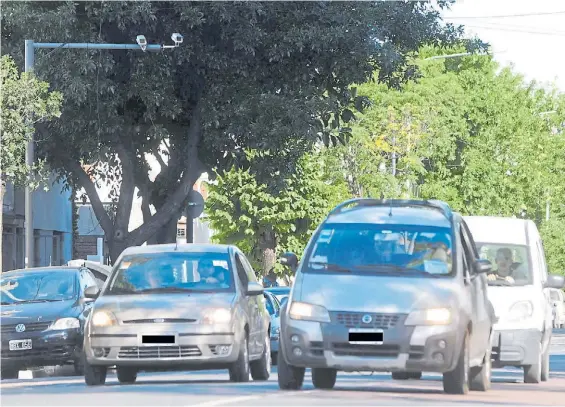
{"points": [[389, 285]]}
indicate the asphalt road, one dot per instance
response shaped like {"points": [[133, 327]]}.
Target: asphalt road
{"points": [[212, 388]]}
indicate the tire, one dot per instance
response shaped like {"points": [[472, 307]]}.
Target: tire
{"points": [[261, 369], [480, 376], [457, 381], [324, 378], [400, 376], [78, 367], [9, 373], [415, 375], [289, 377], [126, 375], [274, 358], [239, 371], [545, 366], [532, 373], [94, 375]]}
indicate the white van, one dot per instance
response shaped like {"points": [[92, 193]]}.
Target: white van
{"points": [[518, 288]]}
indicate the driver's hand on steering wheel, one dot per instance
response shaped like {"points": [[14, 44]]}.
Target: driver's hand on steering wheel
{"points": [[211, 280], [509, 279], [491, 277], [494, 277]]}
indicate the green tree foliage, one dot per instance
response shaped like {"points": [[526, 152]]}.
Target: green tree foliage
{"points": [[270, 76], [244, 212], [25, 101]]}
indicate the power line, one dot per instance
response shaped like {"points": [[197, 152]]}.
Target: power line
{"points": [[548, 13], [550, 33]]}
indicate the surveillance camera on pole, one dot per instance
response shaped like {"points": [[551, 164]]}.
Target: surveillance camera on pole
{"points": [[142, 42], [177, 38]]}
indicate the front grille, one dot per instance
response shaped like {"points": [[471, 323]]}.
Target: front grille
{"points": [[416, 352], [54, 352], [160, 321], [347, 349], [317, 348], [29, 327], [355, 320], [157, 352]]}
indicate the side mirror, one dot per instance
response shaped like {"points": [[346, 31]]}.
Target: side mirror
{"points": [[290, 260], [483, 266], [555, 281], [91, 292], [254, 289]]}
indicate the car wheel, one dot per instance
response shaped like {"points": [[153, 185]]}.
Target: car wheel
{"points": [[78, 367], [457, 381], [532, 373], [94, 375], [289, 377], [261, 369], [545, 366], [324, 378], [480, 375], [8, 373], [239, 370], [415, 375], [400, 376], [126, 375], [274, 358]]}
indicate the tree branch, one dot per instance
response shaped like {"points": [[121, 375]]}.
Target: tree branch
{"points": [[127, 187], [97, 206]]}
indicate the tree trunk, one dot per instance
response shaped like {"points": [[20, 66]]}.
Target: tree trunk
{"points": [[268, 245], [168, 233]]}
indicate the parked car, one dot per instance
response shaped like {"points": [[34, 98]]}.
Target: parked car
{"points": [[389, 285], [557, 298], [175, 306], [273, 308], [43, 316], [100, 272], [518, 288]]}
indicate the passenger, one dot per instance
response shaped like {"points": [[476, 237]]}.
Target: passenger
{"points": [[208, 273]]}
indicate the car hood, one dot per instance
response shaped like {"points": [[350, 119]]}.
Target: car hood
{"points": [[386, 294], [38, 311], [155, 306]]}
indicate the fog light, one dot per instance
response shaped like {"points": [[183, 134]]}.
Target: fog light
{"points": [[297, 352], [98, 352], [441, 344], [295, 338], [222, 349], [438, 357]]}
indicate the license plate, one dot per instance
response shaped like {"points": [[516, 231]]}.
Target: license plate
{"points": [[366, 336], [158, 339], [20, 344]]}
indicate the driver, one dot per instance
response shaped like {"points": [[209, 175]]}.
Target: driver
{"points": [[505, 270], [208, 272]]}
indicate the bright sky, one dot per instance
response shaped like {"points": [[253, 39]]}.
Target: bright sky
{"points": [[530, 36]]}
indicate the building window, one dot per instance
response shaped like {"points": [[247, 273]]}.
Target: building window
{"points": [[181, 232]]}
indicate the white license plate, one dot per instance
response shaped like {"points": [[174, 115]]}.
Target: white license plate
{"points": [[20, 344]]}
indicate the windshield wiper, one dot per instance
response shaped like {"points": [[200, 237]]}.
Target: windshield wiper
{"points": [[331, 266], [394, 269], [36, 300], [165, 290], [6, 303]]}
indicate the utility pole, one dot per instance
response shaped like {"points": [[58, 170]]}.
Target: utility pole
{"points": [[30, 47]]}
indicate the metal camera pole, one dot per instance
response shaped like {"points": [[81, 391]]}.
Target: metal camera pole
{"points": [[30, 47]]}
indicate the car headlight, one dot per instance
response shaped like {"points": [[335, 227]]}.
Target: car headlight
{"points": [[64, 323], [217, 316], [520, 310], [309, 312], [103, 318], [430, 316]]}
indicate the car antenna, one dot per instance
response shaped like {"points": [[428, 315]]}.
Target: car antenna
{"points": [[390, 210]]}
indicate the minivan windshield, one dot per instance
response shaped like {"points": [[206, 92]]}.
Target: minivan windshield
{"points": [[37, 286], [392, 249], [171, 272], [511, 263]]}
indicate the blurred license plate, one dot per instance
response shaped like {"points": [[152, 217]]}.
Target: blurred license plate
{"points": [[158, 339], [20, 344], [366, 336]]}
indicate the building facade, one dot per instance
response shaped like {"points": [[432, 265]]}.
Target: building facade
{"points": [[52, 224]]}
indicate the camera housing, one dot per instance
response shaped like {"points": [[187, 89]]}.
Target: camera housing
{"points": [[142, 42], [177, 38]]}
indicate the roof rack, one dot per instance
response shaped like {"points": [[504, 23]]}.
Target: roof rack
{"points": [[430, 204]]}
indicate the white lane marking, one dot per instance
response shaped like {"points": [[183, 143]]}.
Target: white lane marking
{"points": [[229, 400]]}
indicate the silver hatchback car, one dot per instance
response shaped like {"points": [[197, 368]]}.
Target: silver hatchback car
{"points": [[174, 307], [392, 286]]}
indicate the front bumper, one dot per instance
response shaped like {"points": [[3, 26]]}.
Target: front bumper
{"points": [[216, 346], [49, 348], [516, 347], [404, 348]]}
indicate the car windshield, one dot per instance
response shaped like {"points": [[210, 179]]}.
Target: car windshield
{"points": [[170, 272], [44, 286], [511, 264], [390, 249], [554, 296]]}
